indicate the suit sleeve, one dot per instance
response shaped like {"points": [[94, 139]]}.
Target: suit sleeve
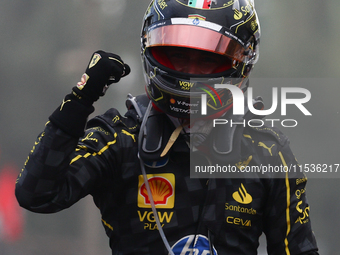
{"points": [[287, 219], [61, 167]]}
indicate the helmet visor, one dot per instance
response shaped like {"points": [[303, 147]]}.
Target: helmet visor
{"points": [[196, 37]]}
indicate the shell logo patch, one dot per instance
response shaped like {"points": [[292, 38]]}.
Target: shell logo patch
{"points": [[162, 188]]}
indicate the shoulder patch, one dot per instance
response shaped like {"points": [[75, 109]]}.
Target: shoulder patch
{"points": [[274, 132], [114, 119]]}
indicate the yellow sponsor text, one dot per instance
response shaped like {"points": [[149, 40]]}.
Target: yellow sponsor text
{"points": [[148, 218], [238, 221], [186, 85], [237, 208]]}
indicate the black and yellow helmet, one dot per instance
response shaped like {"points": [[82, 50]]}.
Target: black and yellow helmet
{"points": [[227, 28]]}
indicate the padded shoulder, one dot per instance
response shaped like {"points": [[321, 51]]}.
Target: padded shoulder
{"points": [[114, 119], [136, 107], [273, 132]]}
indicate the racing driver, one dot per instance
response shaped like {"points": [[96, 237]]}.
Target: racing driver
{"points": [[137, 166]]}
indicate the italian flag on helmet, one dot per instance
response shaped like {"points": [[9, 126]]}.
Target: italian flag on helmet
{"points": [[202, 4]]}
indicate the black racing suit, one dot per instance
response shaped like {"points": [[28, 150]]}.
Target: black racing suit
{"points": [[225, 214]]}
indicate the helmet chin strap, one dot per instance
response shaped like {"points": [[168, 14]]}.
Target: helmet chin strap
{"points": [[146, 181], [174, 137], [196, 131]]}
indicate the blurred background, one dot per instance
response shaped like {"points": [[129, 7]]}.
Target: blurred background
{"points": [[45, 47]]}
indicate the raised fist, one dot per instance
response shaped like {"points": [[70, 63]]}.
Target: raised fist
{"points": [[103, 69]]}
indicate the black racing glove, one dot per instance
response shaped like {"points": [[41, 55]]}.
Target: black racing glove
{"points": [[103, 69]]}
